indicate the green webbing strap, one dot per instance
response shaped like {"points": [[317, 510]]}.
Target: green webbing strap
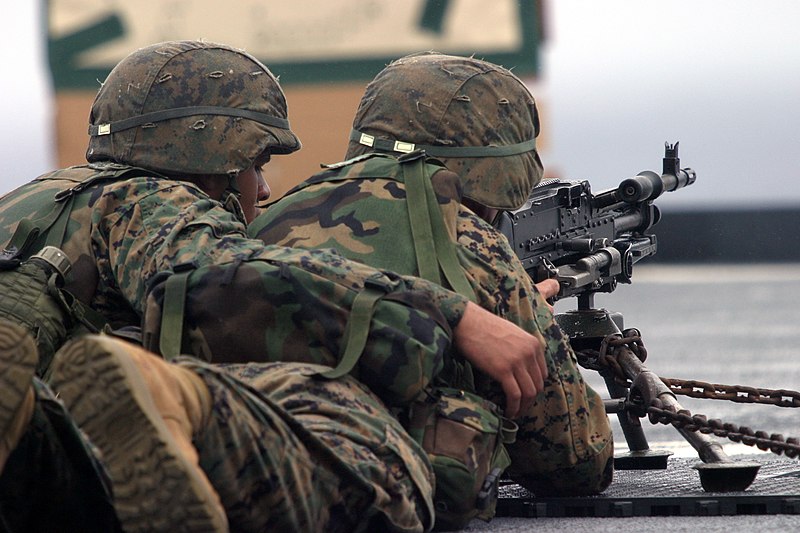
{"points": [[172, 311], [93, 321], [28, 231], [24, 237], [357, 330], [420, 218], [59, 231], [438, 250], [446, 252]]}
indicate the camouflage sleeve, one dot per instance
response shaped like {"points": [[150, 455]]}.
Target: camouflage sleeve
{"points": [[247, 301], [564, 444], [174, 223], [156, 225]]}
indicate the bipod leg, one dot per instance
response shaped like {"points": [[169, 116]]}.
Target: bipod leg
{"points": [[718, 472], [587, 327], [640, 455]]}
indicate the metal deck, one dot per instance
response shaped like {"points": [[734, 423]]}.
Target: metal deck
{"points": [[674, 491], [718, 323]]}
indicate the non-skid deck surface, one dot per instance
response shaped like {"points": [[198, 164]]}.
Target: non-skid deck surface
{"points": [[674, 491]]}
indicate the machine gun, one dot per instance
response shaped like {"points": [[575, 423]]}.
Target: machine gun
{"points": [[590, 242]]}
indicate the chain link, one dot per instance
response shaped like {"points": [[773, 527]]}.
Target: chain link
{"points": [[733, 393], [658, 413], [605, 360], [606, 357]]}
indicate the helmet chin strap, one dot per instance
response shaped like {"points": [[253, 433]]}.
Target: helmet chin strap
{"points": [[230, 198], [233, 186]]}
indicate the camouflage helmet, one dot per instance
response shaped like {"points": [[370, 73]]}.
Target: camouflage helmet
{"points": [[189, 107], [478, 118]]}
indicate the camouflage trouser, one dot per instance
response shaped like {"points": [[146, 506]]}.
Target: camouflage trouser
{"points": [[287, 451], [564, 444]]}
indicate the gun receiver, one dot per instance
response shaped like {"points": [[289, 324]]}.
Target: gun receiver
{"points": [[590, 242]]}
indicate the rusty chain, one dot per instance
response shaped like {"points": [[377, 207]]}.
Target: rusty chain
{"points": [[658, 413], [606, 360], [733, 393]]}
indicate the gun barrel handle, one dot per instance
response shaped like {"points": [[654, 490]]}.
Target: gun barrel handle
{"points": [[648, 185], [642, 187]]}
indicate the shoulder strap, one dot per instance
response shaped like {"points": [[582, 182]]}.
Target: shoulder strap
{"points": [[419, 216], [357, 330], [172, 314], [54, 223], [81, 313], [21, 245], [432, 245]]}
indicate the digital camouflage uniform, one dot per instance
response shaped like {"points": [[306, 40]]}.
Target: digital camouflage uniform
{"points": [[363, 208], [334, 436], [127, 230], [245, 301]]}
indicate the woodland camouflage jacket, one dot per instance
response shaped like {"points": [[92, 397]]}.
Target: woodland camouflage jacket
{"points": [[129, 229]]}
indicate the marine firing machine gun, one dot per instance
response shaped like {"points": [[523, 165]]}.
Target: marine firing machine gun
{"points": [[589, 243]]}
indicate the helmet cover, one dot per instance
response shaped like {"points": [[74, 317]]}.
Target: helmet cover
{"points": [[189, 107], [478, 118]]}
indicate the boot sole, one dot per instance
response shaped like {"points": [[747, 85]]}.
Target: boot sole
{"points": [[18, 359], [155, 487]]}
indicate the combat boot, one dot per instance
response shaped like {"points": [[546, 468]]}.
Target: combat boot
{"points": [[141, 412], [18, 359]]}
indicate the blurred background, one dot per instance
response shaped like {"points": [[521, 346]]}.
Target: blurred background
{"points": [[614, 80]]}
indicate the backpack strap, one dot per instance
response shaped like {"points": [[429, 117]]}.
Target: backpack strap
{"points": [[172, 315], [357, 329], [434, 249], [21, 245], [420, 218]]}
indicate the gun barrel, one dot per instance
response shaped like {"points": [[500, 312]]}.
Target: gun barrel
{"points": [[636, 220], [648, 185], [683, 178]]}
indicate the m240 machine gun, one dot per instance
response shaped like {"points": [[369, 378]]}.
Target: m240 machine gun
{"points": [[589, 243]]}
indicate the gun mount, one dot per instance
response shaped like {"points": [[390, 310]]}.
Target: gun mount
{"points": [[589, 243]]}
